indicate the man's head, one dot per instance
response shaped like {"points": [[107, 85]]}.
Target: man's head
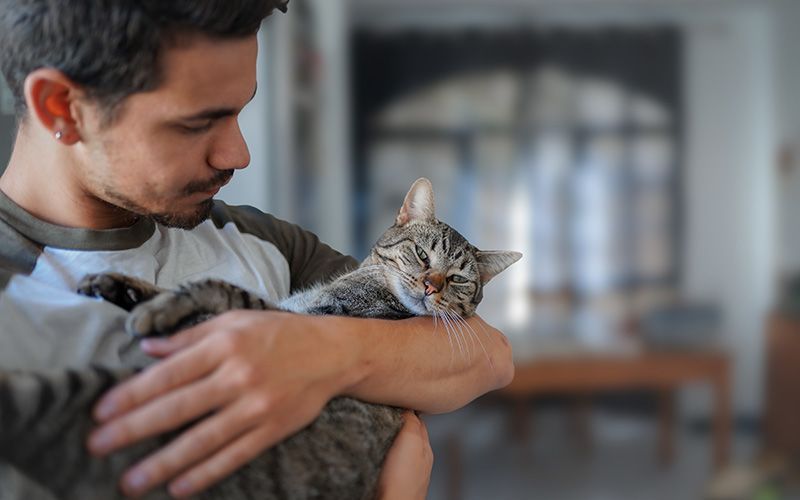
{"points": [[112, 48], [145, 94]]}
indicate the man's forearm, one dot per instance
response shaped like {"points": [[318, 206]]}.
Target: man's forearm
{"points": [[420, 364]]}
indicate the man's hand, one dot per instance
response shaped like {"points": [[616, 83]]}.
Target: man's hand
{"points": [[407, 469], [252, 378], [256, 376]]}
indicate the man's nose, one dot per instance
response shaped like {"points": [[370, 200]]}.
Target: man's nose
{"points": [[434, 283], [230, 149]]}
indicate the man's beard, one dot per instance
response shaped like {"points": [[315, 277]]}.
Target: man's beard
{"points": [[185, 221], [178, 220]]}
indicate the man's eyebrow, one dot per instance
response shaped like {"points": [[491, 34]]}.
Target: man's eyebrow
{"points": [[217, 113]]}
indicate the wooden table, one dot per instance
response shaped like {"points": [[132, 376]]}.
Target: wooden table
{"points": [[661, 372], [585, 374]]}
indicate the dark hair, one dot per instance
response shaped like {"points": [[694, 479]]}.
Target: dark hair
{"points": [[111, 47]]}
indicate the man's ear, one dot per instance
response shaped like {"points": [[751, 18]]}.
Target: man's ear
{"points": [[54, 102]]}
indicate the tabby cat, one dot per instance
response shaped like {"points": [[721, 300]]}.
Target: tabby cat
{"points": [[419, 266]]}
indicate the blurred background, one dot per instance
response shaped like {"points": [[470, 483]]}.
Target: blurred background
{"points": [[644, 155]]}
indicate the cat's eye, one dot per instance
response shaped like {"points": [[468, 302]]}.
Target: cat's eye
{"points": [[421, 254], [458, 279]]}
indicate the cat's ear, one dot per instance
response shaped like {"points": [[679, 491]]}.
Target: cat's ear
{"points": [[418, 204], [492, 263]]}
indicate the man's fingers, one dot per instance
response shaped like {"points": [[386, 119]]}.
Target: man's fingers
{"points": [[199, 442], [155, 381], [412, 423], [268, 431], [158, 416], [413, 438], [423, 429], [407, 469], [223, 463], [162, 347]]}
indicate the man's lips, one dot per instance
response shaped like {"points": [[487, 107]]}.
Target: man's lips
{"points": [[215, 189]]}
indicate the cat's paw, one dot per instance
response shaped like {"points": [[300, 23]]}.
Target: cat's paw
{"points": [[163, 315], [112, 287]]}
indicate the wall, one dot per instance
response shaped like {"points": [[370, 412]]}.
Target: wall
{"points": [[729, 185], [787, 39]]}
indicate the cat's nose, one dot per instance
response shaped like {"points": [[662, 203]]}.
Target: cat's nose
{"points": [[433, 283]]}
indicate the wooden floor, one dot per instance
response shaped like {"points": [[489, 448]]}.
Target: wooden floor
{"points": [[621, 465]]}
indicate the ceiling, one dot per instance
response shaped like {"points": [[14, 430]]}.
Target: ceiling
{"points": [[422, 4], [422, 12]]}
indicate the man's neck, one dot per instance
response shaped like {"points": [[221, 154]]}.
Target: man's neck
{"points": [[41, 178]]}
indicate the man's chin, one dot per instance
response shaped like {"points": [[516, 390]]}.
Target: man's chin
{"points": [[185, 220]]}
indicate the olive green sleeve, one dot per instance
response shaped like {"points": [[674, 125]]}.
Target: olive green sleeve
{"points": [[310, 260]]}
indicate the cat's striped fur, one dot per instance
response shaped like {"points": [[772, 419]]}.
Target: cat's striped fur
{"points": [[44, 421], [420, 266]]}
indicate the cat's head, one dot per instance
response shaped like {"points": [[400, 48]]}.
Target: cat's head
{"points": [[432, 268]]}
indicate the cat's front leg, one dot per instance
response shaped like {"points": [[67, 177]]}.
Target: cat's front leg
{"points": [[124, 291], [193, 303]]}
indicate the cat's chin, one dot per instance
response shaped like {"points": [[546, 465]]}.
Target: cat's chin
{"points": [[417, 305], [414, 303]]}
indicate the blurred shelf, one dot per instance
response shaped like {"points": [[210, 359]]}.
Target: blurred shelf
{"points": [[782, 408]]}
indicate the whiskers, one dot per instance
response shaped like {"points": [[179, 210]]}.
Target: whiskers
{"points": [[466, 338]]}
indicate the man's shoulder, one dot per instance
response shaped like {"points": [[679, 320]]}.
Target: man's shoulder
{"points": [[310, 260], [246, 218], [5, 276], [18, 254], [252, 221]]}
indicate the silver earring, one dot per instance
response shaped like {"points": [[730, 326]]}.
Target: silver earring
{"points": [[59, 135]]}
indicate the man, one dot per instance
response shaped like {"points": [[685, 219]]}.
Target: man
{"points": [[128, 128]]}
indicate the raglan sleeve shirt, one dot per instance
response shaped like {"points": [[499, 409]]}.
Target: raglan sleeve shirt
{"points": [[45, 325]]}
